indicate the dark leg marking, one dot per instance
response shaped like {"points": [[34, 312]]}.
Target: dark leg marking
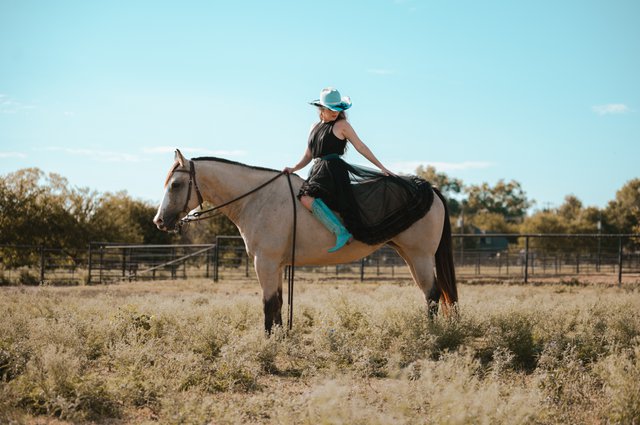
{"points": [[432, 300], [273, 311]]}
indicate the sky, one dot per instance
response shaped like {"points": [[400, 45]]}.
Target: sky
{"points": [[546, 93]]}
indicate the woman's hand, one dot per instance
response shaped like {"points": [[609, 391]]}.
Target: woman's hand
{"points": [[306, 158], [387, 172]]}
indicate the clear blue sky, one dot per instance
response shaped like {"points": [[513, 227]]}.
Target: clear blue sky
{"points": [[543, 92]]}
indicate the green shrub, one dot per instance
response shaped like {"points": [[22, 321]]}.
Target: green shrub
{"points": [[54, 384], [511, 331]]}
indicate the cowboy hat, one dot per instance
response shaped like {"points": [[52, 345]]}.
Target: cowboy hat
{"points": [[330, 98]]}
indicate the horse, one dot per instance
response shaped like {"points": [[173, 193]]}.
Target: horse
{"points": [[264, 219]]}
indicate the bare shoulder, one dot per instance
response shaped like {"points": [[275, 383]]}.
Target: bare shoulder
{"points": [[342, 129]]}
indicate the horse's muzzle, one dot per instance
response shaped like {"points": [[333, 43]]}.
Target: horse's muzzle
{"points": [[174, 226]]}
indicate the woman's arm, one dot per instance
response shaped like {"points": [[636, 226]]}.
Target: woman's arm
{"points": [[350, 134], [306, 158]]}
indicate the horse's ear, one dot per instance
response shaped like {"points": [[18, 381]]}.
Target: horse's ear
{"points": [[179, 158]]}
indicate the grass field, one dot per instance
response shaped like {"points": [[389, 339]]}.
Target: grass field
{"points": [[195, 352]]}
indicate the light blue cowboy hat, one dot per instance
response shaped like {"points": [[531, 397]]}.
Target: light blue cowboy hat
{"points": [[330, 98]]}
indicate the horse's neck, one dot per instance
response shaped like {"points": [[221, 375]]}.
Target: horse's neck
{"points": [[221, 182]]}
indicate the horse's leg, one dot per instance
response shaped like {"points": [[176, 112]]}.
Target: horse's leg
{"points": [[422, 266], [270, 278]]}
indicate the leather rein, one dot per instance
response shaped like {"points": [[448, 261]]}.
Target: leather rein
{"points": [[201, 215]]}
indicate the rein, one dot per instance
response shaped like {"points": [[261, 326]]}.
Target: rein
{"points": [[200, 215]]}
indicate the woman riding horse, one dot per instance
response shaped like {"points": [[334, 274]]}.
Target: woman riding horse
{"points": [[375, 206]]}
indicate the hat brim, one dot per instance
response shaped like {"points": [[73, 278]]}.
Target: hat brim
{"points": [[342, 106]]}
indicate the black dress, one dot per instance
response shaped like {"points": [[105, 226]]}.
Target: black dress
{"points": [[374, 207]]}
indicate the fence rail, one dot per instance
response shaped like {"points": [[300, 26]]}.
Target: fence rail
{"points": [[521, 257]]}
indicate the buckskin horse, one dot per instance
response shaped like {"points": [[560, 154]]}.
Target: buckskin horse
{"points": [[265, 217]]}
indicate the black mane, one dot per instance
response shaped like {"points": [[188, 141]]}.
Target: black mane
{"points": [[228, 161]]}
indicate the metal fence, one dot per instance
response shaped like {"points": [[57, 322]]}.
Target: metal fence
{"points": [[34, 265], [494, 257], [108, 262]]}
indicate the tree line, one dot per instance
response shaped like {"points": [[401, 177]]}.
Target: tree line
{"points": [[37, 208], [40, 209], [503, 208]]}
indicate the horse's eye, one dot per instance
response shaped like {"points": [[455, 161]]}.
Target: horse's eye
{"points": [[175, 185]]}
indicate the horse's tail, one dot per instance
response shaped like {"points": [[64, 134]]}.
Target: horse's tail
{"points": [[446, 273]]}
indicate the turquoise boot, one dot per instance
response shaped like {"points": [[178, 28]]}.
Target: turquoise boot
{"points": [[331, 222]]}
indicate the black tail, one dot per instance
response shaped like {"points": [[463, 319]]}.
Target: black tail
{"points": [[445, 271]]}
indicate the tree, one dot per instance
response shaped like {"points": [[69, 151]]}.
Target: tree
{"points": [[493, 222], [622, 215], [447, 185], [507, 199], [42, 209], [119, 218], [545, 222]]}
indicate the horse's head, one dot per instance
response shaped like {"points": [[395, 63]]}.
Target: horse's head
{"points": [[178, 199]]}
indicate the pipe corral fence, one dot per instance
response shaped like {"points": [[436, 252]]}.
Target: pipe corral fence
{"points": [[477, 257]]}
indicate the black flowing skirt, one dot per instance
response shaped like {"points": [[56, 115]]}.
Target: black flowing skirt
{"points": [[374, 207]]}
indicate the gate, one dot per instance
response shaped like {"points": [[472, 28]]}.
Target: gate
{"points": [[117, 262]]}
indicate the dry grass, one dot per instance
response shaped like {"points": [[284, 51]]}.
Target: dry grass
{"points": [[194, 352]]}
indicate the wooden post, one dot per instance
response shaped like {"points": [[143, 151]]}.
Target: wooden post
{"points": [[362, 270]]}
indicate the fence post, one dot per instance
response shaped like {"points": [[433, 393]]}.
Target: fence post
{"points": [[123, 252], [362, 270], [89, 265], [41, 264], [216, 257], [619, 262], [599, 257], [507, 261], [207, 260], [101, 262], [526, 259], [184, 264]]}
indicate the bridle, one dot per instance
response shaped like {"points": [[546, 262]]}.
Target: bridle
{"points": [[192, 182]]}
